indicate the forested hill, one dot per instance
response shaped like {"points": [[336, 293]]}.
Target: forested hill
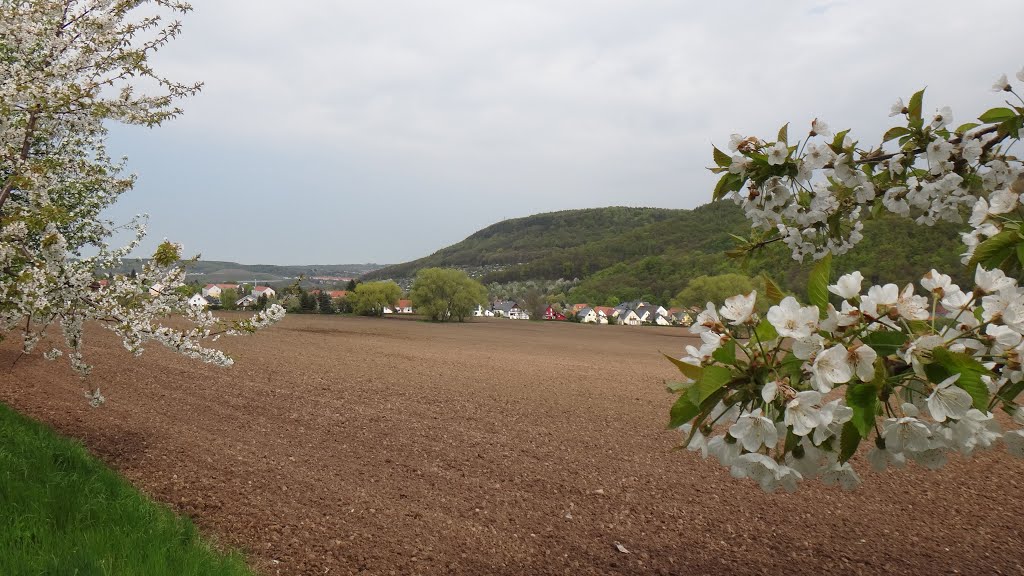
{"points": [[551, 245], [630, 253]]}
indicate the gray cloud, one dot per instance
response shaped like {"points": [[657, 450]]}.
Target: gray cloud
{"points": [[381, 131]]}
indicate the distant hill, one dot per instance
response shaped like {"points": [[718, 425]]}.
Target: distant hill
{"points": [[520, 245], [219, 271], [623, 253]]}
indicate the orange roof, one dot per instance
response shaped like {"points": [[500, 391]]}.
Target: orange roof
{"points": [[405, 303], [608, 310], [578, 307], [262, 288], [338, 293]]}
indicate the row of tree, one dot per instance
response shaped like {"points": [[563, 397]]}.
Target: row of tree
{"points": [[437, 293]]}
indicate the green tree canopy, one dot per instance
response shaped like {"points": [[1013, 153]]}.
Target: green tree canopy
{"points": [[228, 297], [370, 298], [443, 294], [717, 288]]}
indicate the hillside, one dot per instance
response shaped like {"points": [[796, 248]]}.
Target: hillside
{"points": [[551, 237], [629, 253]]}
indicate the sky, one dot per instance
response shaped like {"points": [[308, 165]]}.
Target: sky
{"points": [[334, 132]]}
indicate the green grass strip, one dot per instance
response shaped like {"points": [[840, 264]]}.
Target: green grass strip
{"points": [[62, 512]]}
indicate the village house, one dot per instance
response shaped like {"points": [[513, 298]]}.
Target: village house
{"points": [[197, 301], [551, 314], [628, 318], [404, 307], [215, 289], [577, 307], [507, 309], [247, 301], [263, 291], [587, 315]]}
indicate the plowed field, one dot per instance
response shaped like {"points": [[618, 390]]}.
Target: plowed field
{"points": [[388, 446]]}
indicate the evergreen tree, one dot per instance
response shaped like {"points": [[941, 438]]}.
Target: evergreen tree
{"points": [[324, 302], [307, 302]]}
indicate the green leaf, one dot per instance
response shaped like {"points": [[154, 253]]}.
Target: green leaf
{"points": [[726, 354], [1012, 127], [993, 252], [682, 412], [713, 379], [689, 370], [849, 439], [837, 142], [784, 133], [728, 183], [884, 342], [791, 440], [997, 115], [721, 158], [765, 331], [791, 366], [970, 371], [895, 132], [1020, 253], [863, 399], [677, 387], [772, 291], [1010, 391], [914, 108], [963, 128], [817, 284]]}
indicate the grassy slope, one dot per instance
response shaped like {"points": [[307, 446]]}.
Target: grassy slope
{"points": [[64, 512]]}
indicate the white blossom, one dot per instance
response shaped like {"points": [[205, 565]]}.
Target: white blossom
{"points": [[942, 118], [949, 401], [778, 153], [792, 320], [739, 309], [897, 108], [803, 413], [905, 434], [754, 431], [841, 474], [848, 285], [830, 368], [820, 128]]}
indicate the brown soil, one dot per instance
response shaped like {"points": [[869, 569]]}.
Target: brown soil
{"points": [[343, 446]]}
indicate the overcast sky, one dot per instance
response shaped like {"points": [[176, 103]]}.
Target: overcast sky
{"points": [[380, 131]]}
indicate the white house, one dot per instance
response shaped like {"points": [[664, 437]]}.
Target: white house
{"points": [[263, 291], [197, 301], [215, 289], [662, 320], [405, 307], [629, 318], [587, 316], [246, 301]]}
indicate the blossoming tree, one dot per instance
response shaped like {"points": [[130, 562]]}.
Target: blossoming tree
{"points": [[67, 68], [914, 372]]}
